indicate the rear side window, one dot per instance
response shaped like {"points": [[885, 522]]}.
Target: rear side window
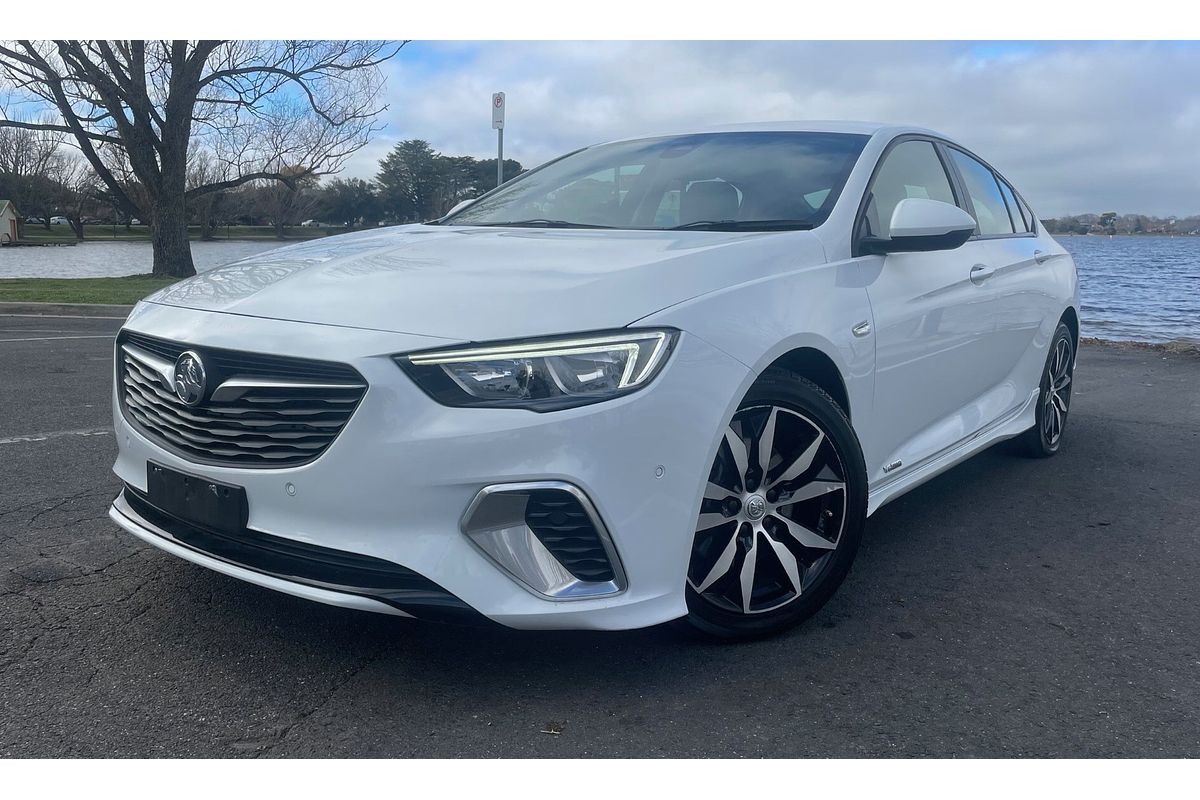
{"points": [[991, 212], [910, 169], [1028, 215], [1014, 210]]}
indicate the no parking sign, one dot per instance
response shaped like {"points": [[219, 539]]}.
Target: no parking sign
{"points": [[498, 110]]}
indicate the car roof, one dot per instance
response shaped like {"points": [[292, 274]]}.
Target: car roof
{"points": [[799, 126]]}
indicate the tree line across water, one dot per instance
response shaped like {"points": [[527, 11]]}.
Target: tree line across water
{"points": [[414, 183], [1114, 224]]}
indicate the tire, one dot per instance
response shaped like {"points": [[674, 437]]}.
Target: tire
{"points": [[802, 548], [1054, 398]]}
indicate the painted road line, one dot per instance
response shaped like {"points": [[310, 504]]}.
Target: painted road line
{"points": [[41, 437], [59, 338], [60, 316], [34, 330]]}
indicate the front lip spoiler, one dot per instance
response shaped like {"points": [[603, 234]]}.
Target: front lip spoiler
{"points": [[428, 602]]}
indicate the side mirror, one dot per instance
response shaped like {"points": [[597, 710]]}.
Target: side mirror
{"points": [[460, 206], [921, 226]]}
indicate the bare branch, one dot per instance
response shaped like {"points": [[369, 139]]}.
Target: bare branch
{"points": [[49, 126], [233, 183]]}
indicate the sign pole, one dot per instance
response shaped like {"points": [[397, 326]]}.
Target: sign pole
{"points": [[498, 124]]}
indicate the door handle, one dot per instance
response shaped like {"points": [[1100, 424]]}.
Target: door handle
{"points": [[980, 273], [1041, 256]]}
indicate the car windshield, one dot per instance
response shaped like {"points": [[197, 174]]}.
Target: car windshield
{"points": [[757, 181]]}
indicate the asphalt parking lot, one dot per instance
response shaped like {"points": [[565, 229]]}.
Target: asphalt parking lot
{"points": [[1010, 607]]}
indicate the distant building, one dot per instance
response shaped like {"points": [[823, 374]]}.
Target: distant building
{"points": [[8, 221]]}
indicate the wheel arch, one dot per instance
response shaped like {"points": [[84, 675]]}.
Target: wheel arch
{"points": [[1070, 318], [818, 367]]}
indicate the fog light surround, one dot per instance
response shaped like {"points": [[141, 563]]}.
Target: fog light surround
{"points": [[496, 523]]}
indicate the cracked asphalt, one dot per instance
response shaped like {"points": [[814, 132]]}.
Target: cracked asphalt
{"points": [[1010, 607]]}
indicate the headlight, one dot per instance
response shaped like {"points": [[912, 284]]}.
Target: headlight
{"points": [[542, 375]]}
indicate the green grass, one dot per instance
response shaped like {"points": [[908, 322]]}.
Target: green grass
{"points": [[141, 233], [118, 291]]}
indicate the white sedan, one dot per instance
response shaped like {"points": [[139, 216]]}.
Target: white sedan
{"points": [[661, 378]]}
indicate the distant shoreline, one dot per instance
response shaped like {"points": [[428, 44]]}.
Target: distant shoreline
{"points": [[1176, 347], [1127, 236]]}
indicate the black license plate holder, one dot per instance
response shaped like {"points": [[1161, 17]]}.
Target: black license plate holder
{"points": [[216, 506]]}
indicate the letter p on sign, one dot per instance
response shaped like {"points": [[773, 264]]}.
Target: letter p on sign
{"points": [[498, 110]]}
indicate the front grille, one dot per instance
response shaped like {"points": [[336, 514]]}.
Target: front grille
{"points": [[232, 363], [561, 524], [284, 412]]}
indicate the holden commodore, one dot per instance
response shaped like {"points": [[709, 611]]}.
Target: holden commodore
{"points": [[661, 378]]}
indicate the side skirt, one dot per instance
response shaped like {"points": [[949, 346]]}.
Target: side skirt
{"points": [[1012, 424]]}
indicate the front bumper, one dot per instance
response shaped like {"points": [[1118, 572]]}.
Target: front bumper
{"points": [[397, 481]]}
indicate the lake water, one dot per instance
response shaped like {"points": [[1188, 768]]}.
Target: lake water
{"points": [[1138, 288], [1134, 288], [100, 259]]}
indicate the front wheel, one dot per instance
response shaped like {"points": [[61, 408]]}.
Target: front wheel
{"points": [[782, 514]]}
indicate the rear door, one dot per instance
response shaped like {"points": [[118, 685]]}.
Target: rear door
{"points": [[934, 320], [1023, 292]]}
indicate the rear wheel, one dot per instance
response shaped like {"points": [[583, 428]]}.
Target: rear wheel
{"points": [[1054, 398], [782, 514]]}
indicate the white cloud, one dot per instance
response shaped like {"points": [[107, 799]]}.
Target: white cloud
{"points": [[1078, 127]]}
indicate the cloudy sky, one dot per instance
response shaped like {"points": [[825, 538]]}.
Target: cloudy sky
{"points": [[1077, 126]]}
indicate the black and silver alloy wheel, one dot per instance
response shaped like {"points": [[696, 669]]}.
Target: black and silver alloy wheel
{"points": [[1057, 397], [781, 515], [772, 511], [1054, 398]]}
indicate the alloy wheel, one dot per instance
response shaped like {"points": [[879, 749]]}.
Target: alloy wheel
{"points": [[773, 512], [1058, 393]]}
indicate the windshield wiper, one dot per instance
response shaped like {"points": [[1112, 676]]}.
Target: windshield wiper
{"points": [[745, 225], [539, 223]]}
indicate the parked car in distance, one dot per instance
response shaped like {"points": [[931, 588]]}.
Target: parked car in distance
{"points": [[662, 378], [33, 220], [59, 221], [310, 223]]}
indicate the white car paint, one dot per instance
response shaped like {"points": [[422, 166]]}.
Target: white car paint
{"points": [[935, 365], [502, 283]]}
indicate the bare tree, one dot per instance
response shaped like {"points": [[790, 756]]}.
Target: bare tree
{"points": [[78, 185], [287, 204], [263, 110], [27, 159], [204, 170], [25, 151]]}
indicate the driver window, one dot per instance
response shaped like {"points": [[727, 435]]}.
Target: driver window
{"points": [[911, 169]]}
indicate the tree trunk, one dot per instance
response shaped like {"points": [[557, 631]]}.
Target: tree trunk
{"points": [[204, 216], [169, 236]]}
